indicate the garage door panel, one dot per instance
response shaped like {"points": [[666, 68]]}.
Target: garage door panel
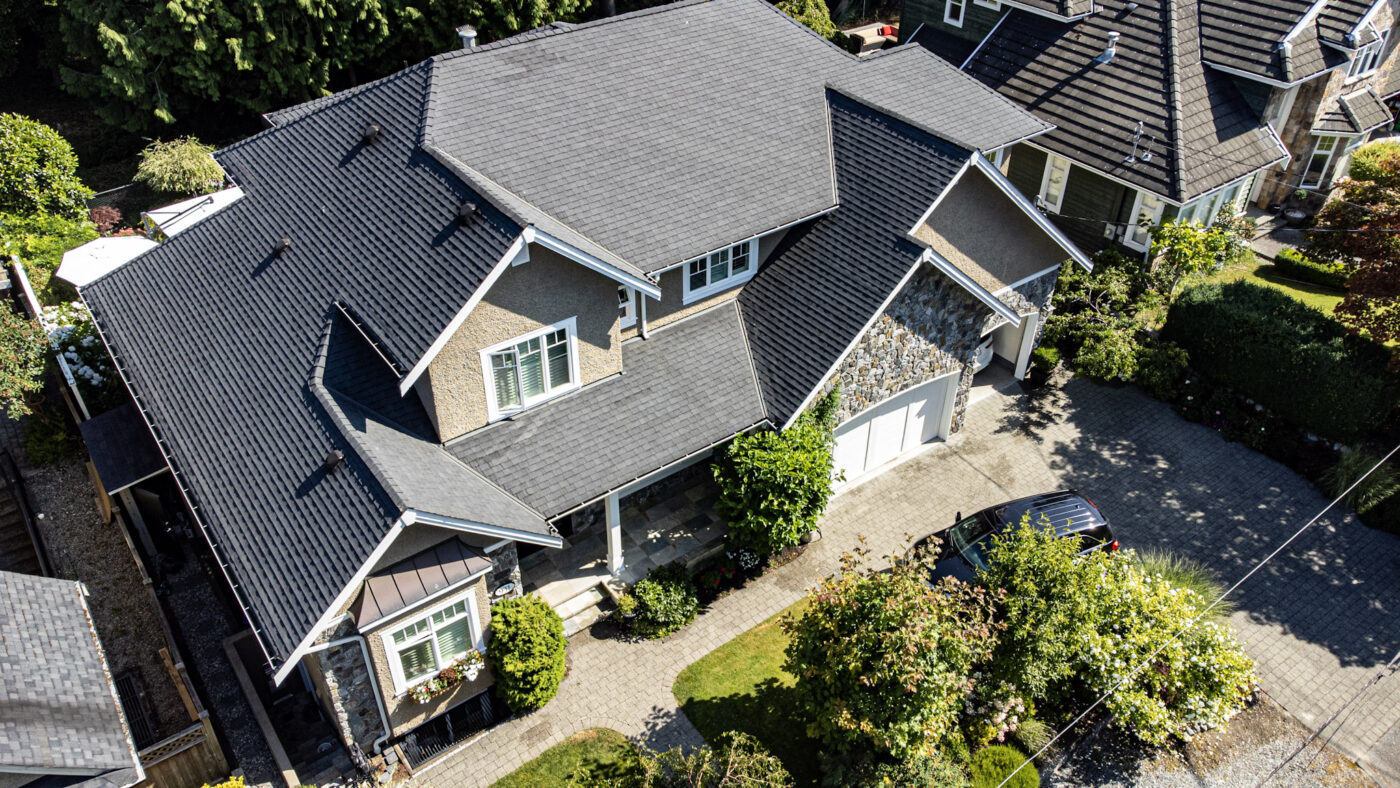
{"points": [[893, 427], [848, 457]]}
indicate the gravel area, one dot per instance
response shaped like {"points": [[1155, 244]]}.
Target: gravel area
{"points": [[1255, 743], [82, 547]]}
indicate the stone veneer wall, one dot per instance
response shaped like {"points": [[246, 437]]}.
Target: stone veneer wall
{"points": [[346, 681], [930, 329], [505, 568]]}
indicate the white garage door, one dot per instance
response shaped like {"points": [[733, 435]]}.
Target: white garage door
{"points": [[898, 425]]}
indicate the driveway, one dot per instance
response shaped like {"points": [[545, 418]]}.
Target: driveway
{"points": [[1320, 619]]}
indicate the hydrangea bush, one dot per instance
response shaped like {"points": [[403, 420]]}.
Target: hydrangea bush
{"points": [[73, 336]]}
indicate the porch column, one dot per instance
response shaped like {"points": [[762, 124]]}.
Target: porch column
{"points": [[614, 534], [1030, 326]]}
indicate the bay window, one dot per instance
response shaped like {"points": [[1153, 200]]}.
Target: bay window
{"points": [[719, 270], [1368, 58], [530, 369], [422, 647]]}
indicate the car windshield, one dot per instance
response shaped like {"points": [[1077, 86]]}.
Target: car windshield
{"points": [[969, 539]]}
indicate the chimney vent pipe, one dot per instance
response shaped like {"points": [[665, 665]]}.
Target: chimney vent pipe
{"points": [[1110, 50], [467, 35]]}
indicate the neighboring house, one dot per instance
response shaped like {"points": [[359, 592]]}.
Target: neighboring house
{"points": [[1171, 108], [61, 723], [459, 312]]}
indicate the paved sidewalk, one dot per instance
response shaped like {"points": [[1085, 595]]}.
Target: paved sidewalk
{"points": [[1320, 619]]}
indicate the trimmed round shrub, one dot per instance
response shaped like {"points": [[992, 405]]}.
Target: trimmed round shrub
{"points": [[666, 601], [180, 166], [1292, 359], [38, 171], [526, 652], [1378, 162], [991, 765]]}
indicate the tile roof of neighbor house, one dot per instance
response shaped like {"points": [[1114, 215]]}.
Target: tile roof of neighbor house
{"points": [[954, 49], [58, 708], [1200, 130], [686, 388], [827, 280], [685, 143], [405, 583], [1245, 35], [1353, 114]]}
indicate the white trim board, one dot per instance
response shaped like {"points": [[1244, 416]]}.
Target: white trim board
{"points": [[537, 236], [412, 516], [957, 176], [761, 234], [984, 40], [981, 293]]}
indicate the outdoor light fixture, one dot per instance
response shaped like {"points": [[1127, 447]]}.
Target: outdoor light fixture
{"points": [[334, 459]]}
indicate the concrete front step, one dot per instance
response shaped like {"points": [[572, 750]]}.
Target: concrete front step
{"points": [[582, 611]]}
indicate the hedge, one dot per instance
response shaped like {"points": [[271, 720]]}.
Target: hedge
{"points": [[1293, 264], [1286, 356]]}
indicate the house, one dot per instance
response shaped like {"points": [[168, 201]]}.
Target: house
{"points": [[458, 313], [62, 721], [1171, 108]]}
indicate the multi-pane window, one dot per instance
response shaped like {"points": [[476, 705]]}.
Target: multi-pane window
{"points": [[1052, 184], [423, 647], [531, 368], [1368, 58], [953, 12], [719, 269], [1316, 172], [627, 305], [1146, 213]]}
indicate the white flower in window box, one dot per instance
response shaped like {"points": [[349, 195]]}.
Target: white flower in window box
{"points": [[465, 669]]}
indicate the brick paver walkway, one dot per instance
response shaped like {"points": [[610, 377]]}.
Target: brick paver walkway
{"points": [[1320, 619]]}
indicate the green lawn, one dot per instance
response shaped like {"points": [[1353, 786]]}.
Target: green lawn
{"points": [[606, 751], [742, 686], [1261, 272]]}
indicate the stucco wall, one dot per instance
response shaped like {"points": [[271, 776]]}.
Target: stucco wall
{"points": [[525, 298], [670, 308]]}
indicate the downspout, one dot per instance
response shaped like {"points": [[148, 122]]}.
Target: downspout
{"points": [[377, 744], [642, 316]]}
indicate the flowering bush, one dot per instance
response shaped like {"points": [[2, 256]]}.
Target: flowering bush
{"points": [[464, 669], [74, 337]]}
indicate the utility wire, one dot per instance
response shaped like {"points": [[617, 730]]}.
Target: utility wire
{"points": [[1148, 660], [1389, 668]]}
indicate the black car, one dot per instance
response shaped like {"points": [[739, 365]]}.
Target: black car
{"points": [[1070, 514]]}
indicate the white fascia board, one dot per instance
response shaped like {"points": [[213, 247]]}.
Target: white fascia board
{"points": [[754, 237], [538, 236], [1026, 279], [939, 199], [517, 247], [985, 165], [981, 43], [1369, 18], [981, 293], [895, 291], [483, 529], [1305, 20], [342, 599], [1270, 81]]}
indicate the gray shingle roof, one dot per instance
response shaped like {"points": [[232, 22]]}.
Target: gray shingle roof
{"points": [[1340, 18], [1245, 35], [826, 280], [1200, 129], [58, 709], [688, 386], [216, 336], [1353, 113], [121, 448]]}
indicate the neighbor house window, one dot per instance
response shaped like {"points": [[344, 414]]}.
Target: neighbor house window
{"points": [[719, 270], [953, 12], [1321, 158], [1205, 210], [1147, 213], [627, 305], [1368, 58], [1052, 184], [422, 647], [995, 5], [531, 369]]}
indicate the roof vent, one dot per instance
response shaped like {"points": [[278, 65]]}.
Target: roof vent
{"points": [[282, 246], [467, 35], [370, 133], [465, 212], [1110, 50], [334, 459], [1129, 8]]}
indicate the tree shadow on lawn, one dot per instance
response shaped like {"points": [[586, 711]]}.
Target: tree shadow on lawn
{"points": [[769, 713]]}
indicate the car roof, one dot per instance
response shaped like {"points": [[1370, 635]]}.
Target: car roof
{"points": [[1067, 511]]}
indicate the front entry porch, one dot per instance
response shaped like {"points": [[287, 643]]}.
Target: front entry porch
{"points": [[670, 520]]}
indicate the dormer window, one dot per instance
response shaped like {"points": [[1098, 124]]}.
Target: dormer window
{"points": [[719, 270], [530, 369], [953, 12], [627, 305], [1368, 58]]}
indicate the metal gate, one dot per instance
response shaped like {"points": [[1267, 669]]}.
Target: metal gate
{"points": [[458, 724]]}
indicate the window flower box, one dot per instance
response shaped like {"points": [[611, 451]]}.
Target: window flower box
{"points": [[465, 669]]}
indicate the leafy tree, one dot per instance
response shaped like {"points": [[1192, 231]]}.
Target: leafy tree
{"points": [[527, 652], [1095, 315], [497, 19], [1361, 227], [181, 166], [1184, 249], [883, 660], [22, 346], [775, 485], [39, 242], [812, 13], [38, 170]]}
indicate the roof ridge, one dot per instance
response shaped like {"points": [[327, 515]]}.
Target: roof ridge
{"points": [[891, 114], [979, 84], [548, 30], [753, 365], [1172, 54]]}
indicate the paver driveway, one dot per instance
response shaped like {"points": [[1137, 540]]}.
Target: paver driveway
{"points": [[1320, 618]]}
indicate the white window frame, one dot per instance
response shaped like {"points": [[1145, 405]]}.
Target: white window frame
{"points": [[1322, 174], [1051, 160], [627, 305], [402, 684], [494, 412], [948, 6], [730, 280], [995, 5], [1000, 156], [1133, 226], [1368, 58]]}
